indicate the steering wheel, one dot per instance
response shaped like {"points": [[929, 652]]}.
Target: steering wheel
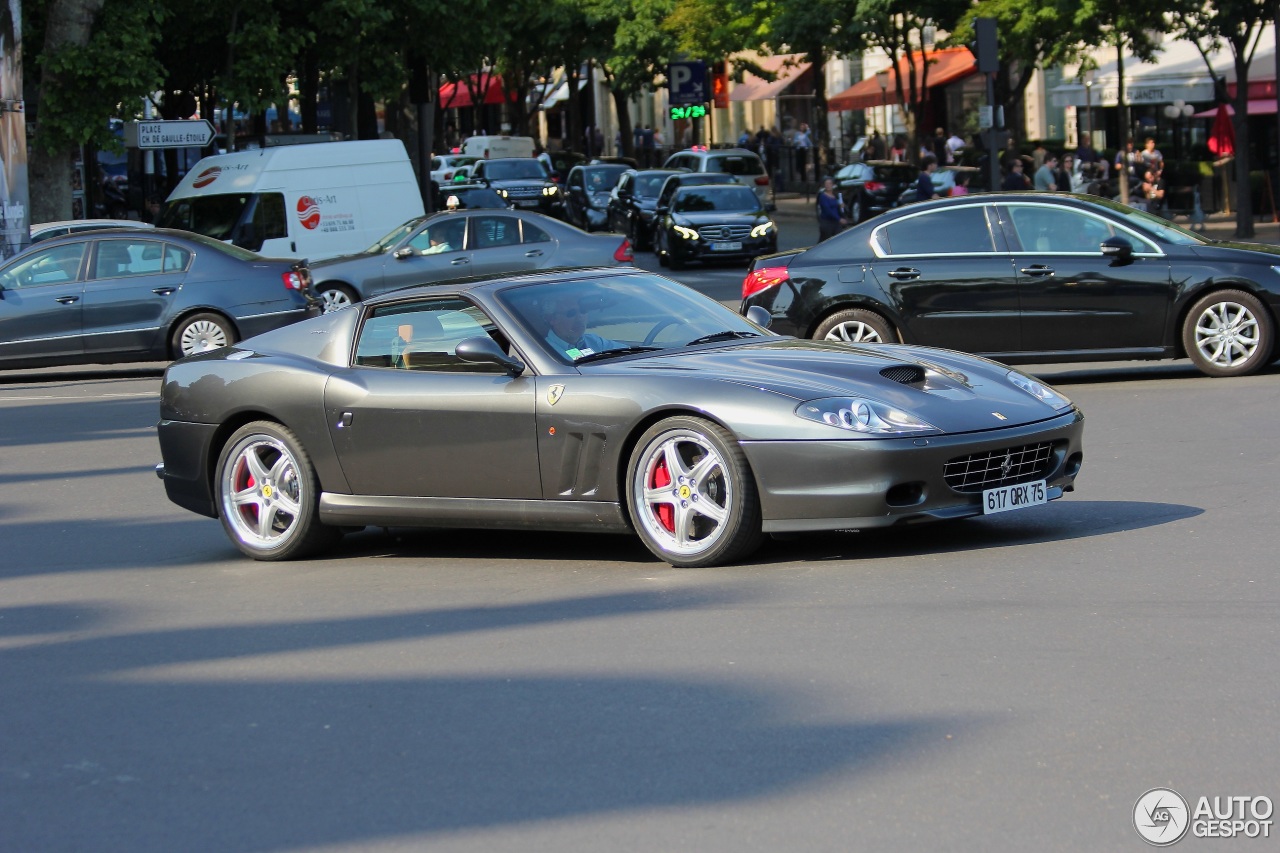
{"points": [[662, 324]]}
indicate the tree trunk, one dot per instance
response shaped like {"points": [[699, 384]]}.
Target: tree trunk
{"points": [[1244, 191], [69, 24], [622, 104], [1124, 124]]}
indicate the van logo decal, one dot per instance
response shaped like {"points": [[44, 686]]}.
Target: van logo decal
{"points": [[206, 177], [308, 212]]}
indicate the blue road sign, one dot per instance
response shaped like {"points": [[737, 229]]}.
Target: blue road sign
{"points": [[687, 82]]}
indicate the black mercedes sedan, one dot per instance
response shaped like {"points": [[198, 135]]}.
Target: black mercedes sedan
{"points": [[523, 182], [141, 295], [1031, 277], [587, 192], [712, 223], [633, 203]]}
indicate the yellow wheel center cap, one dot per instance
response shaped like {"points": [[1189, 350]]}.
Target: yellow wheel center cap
{"points": [[266, 491], [684, 492]]}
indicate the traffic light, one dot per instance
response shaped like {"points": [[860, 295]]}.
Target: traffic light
{"points": [[985, 46], [720, 86]]}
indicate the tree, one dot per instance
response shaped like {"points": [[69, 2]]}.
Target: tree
{"points": [[638, 55]]}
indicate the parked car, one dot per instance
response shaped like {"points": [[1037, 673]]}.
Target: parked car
{"points": [[49, 230], [739, 162], [944, 181], [873, 186], [1031, 277], [633, 202], [599, 400], [713, 223], [470, 195], [587, 192], [133, 295], [463, 243], [447, 167], [523, 181]]}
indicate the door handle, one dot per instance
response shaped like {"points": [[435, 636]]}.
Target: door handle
{"points": [[163, 291], [1037, 270], [536, 253], [67, 300], [904, 273], [457, 262]]}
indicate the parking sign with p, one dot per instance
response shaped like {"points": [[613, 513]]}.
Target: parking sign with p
{"points": [[687, 82]]}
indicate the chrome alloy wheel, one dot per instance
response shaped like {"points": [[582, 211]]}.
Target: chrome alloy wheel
{"points": [[262, 494], [1227, 334], [202, 336], [334, 299], [856, 332], [683, 492]]}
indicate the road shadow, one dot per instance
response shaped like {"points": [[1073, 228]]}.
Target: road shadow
{"points": [[102, 418], [110, 756], [27, 376], [1102, 373]]}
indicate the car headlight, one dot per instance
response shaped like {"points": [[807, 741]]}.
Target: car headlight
{"points": [[502, 193], [861, 415], [762, 229], [1043, 393], [550, 191], [687, 233]]}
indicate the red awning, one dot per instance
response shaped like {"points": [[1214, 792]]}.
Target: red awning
{"points": [[945, 66], [786, 67], [1256, 108], [458, 95]]}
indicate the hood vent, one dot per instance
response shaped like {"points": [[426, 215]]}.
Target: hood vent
{"points": [[907, 374]]}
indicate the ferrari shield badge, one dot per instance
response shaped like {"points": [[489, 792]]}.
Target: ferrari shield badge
{"points": [[554, 393]]}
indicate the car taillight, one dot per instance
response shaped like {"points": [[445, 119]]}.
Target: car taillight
{"points": [[763, 279], [762, 180], [873, 186], [294, 280], [624, 255]]}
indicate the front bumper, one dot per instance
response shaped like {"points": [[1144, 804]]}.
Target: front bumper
{"points": [[866, 483], [701, 249]]}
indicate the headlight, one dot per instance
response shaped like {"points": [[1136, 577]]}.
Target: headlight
{"points": [[858, 414], [762, 229], [550, 190], [502, 193], [1043, 393], [687, 233]]}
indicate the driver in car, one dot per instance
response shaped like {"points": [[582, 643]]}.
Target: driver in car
{"points": [[568, 334]]}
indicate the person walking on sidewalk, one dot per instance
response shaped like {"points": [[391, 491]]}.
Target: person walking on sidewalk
{"points": [[831, 212]]}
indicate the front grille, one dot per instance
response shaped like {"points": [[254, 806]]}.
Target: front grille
{"points": [[996, 468], [907, 374], [724, 232], [524, 192]]}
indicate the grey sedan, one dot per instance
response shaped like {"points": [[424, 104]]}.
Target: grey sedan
{"points": [[457, 244], [133, 295]]}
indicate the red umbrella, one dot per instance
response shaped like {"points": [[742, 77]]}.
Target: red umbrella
{"points": [[1222, 139]]}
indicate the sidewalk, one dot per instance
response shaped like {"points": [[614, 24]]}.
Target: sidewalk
{"points": [[1217, 226]]}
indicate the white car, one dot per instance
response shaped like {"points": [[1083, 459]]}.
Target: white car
{"points": [[447, 167], [46, 230]]}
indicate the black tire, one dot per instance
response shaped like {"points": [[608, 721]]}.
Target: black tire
{"points": [[1228, 333], [664, 259], [855, 210], [856, 325], [197, 333], [268, 495], [335, 295], [711, 474], [638, 242]]}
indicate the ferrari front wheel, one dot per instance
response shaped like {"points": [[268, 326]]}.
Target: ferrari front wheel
{"points": [[691, 494], [268, 494]]}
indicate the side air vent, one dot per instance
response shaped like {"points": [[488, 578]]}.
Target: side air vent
{"points": [[907, 374]]}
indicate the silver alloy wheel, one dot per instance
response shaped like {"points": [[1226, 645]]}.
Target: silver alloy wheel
{"points": [[854, 331], [1227, 334], [683, 492], [335, 299], [262, 494], [201, 336]]}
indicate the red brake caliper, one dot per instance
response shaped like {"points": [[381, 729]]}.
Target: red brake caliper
{"points": [[251, 509], [666, 512]]}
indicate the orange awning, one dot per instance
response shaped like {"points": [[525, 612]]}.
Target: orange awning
{"points": [[458, 95], [945, 66], [753, 88]]}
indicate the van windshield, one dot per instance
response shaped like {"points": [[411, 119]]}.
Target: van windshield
{"points": [[214, 216]]}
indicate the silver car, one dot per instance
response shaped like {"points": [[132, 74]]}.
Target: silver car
{"points": [[463, 243]]}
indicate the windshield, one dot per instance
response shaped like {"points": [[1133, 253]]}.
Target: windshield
{"points": [[729, 198], [514, 170], [395, 235], [601, 179], [214, 216], [735, 165], [1158, 227], [580, 319], [648, 186]]}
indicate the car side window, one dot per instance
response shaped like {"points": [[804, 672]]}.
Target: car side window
{"points": [[176, 258], [575, 178], [1060, 230], [424, 335], [57, 265], [955, 230], [488, 232], [440, 237], [534, 234], [127, 258]]}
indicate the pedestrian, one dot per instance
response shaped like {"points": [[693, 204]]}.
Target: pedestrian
{"points": [[1015, 180], [832, 217], [802, 145], [875, 146], [1046, 179], [955, 145], [1151, 156], [649, 142], [924, 182], [898, 153], [962, 184], [1128, 160], [1065, 174], [940, 150]]}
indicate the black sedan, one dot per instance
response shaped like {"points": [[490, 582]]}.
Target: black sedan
{"points": [[523, 181], [587, 192], [874, 186], [1031, 277], [141, 295], [596, 400], [634, 202], [714, 222]]}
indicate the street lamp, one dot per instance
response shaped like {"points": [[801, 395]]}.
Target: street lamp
{"points": [[1088, 101], [882, 77]]}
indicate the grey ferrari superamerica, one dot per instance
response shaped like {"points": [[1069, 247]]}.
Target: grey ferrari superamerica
{"points": [[596, 400]]}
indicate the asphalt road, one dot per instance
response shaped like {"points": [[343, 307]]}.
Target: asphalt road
{"points": [[1013, 683]]}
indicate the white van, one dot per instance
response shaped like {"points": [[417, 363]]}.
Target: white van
{"points": [[299, 201], [493, 147]]}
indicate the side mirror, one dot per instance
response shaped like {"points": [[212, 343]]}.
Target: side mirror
{"points": [[1118, 248], [401, 254], [483, 349], [760, 315]]}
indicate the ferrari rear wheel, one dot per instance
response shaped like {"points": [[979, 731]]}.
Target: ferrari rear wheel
{"points": [[269, 496], [1228, 333], [856, 326], [691, 494]]}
